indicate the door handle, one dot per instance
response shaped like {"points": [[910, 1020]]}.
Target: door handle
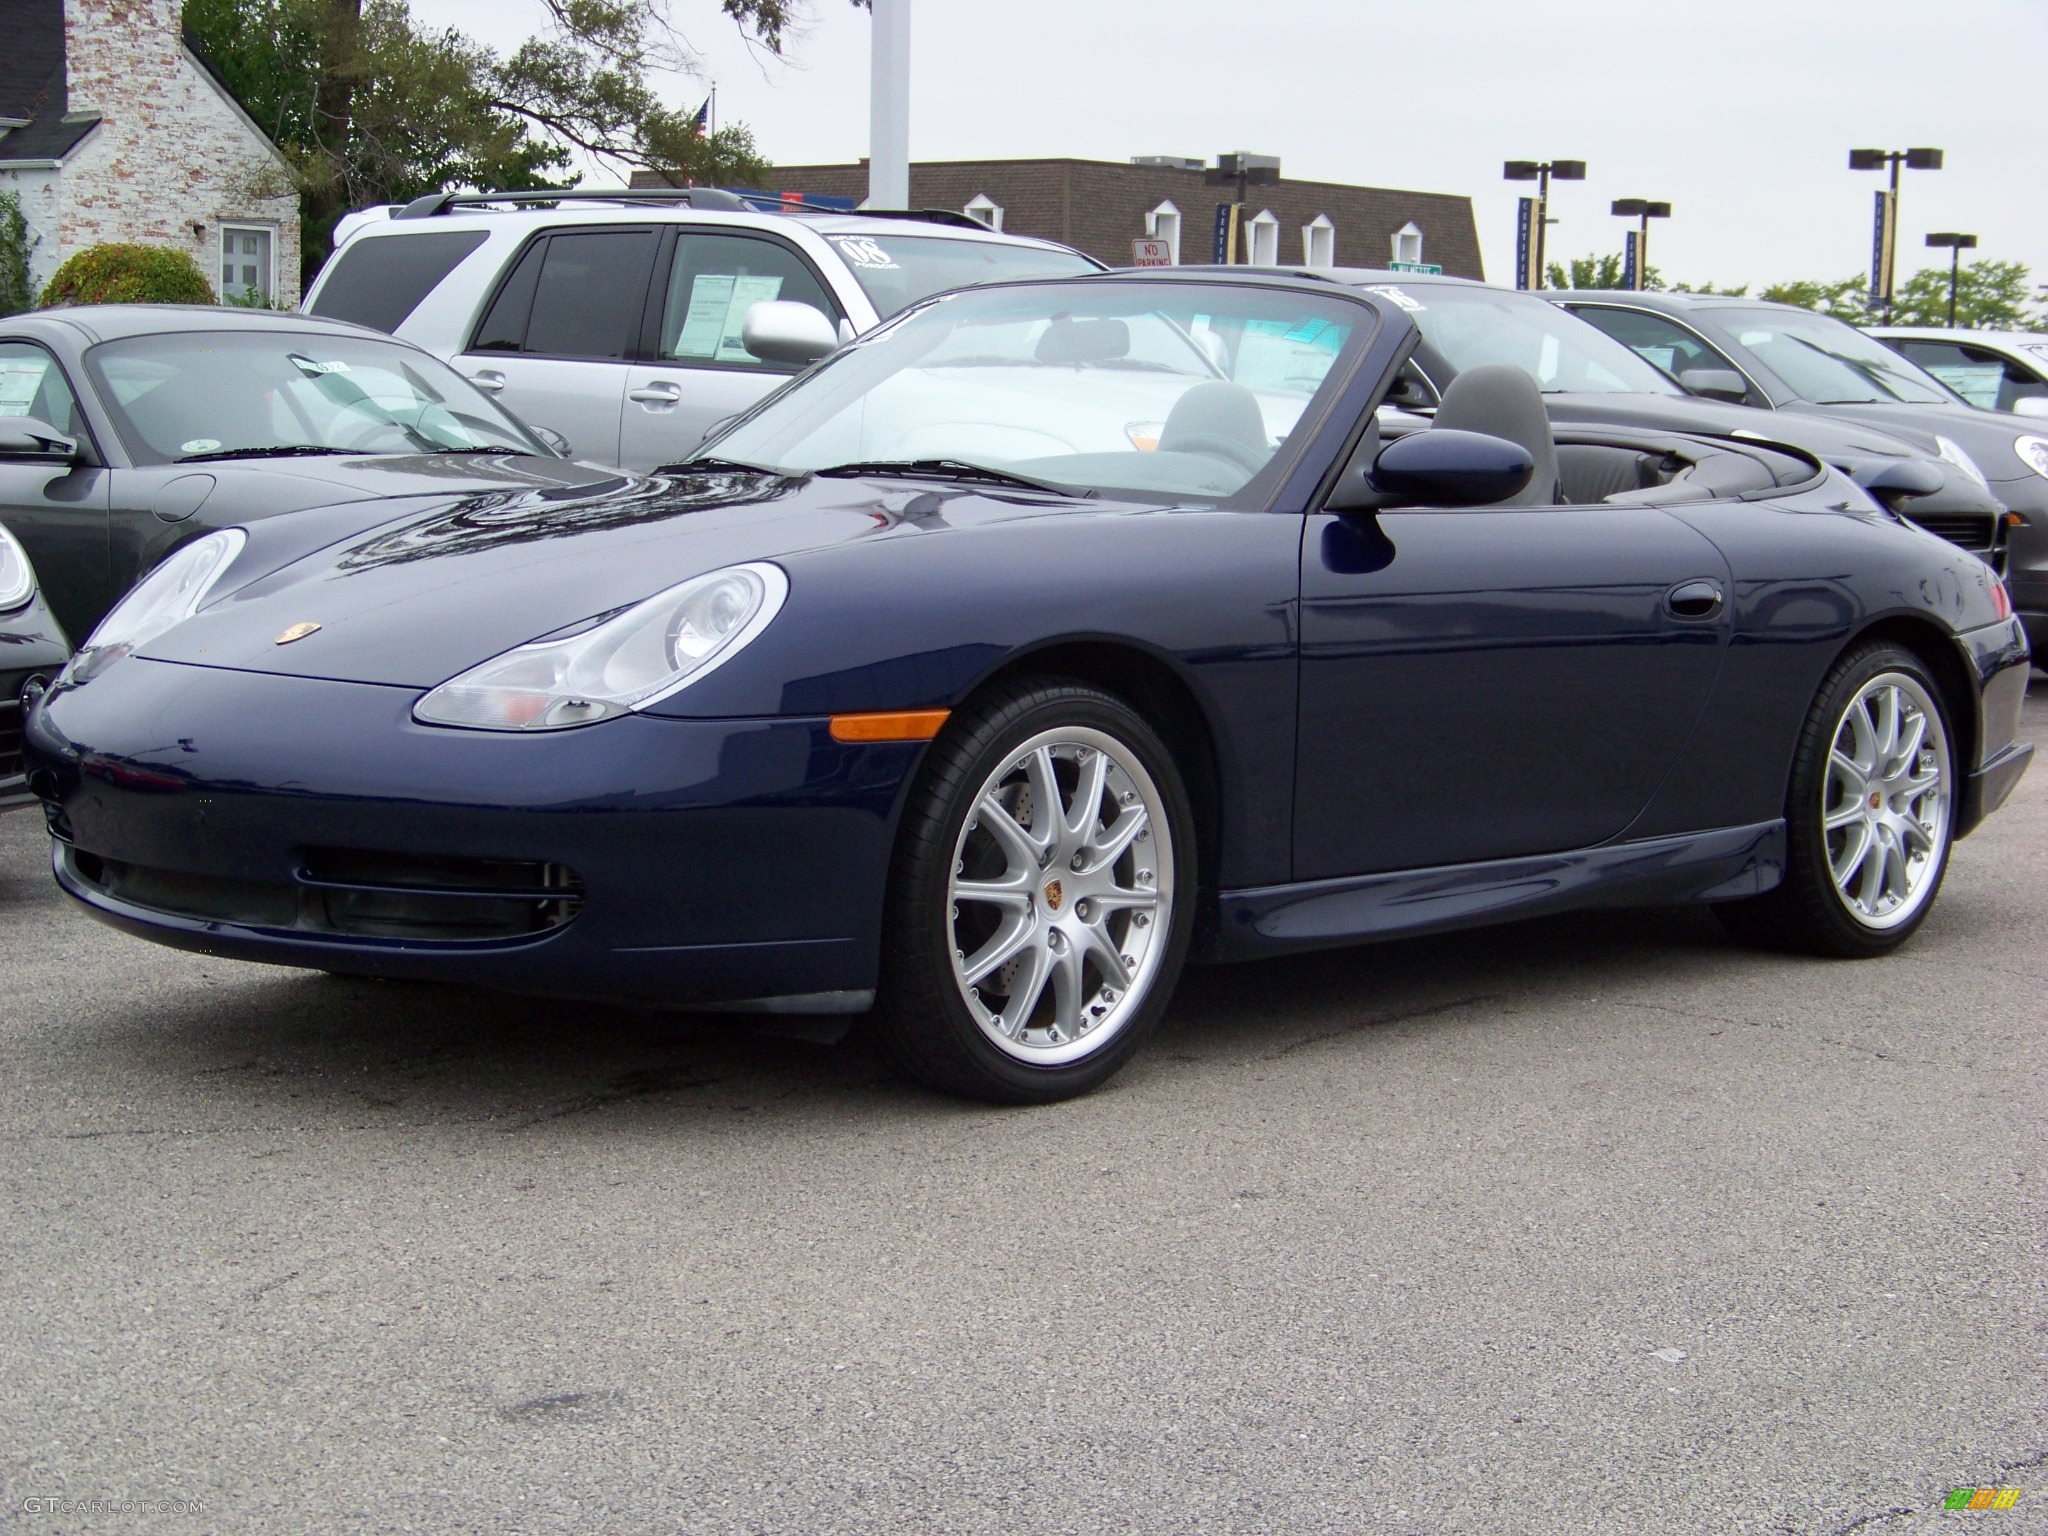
{"points": [[490, 381], [1694, 600], [661, 392]]}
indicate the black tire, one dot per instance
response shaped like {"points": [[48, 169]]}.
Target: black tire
{"points": [[1807, 912], [922, 1022]]}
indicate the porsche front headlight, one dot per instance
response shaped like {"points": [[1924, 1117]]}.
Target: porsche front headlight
{"points": [[2033, 452], [1952, 451], [168, 595], [17, 577], [630, 660]]}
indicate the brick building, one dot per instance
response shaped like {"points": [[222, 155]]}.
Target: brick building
{"points": [[1100, 206], [113, 128]]}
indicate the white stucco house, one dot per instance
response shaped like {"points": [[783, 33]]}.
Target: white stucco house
{"points": [[113, 128]]}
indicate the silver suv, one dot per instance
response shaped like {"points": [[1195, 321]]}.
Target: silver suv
{"points": [[616, 319]]}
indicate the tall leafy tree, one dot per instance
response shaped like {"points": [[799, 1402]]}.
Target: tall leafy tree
{"points": [[1596, 272], [1990, 295], [368, 106]]}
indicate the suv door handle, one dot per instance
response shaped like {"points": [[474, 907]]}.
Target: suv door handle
{"points": [[1694, 600], [660, 392], [490, 381]]}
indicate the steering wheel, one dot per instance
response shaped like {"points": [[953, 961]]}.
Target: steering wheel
{"points": [[1217, 446]]}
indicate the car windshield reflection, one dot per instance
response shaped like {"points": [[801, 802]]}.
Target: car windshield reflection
{"points": [[1169, 391], [196, 397]]}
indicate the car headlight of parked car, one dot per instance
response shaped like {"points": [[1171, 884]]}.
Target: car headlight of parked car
{"points": [[2033, 452], [628, 661], [168, 595], [1952, 451], [17, 577]]}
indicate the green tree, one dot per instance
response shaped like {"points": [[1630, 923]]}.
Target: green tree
{"points": [[1847, 299], [1990, 295], [368, 106], [128, 274], [16, 293], [1596, 272]]}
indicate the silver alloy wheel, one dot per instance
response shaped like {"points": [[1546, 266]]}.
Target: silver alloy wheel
{"points": [[1061, 896], [1885, 802]]}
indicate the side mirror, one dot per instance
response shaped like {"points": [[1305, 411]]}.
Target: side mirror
{"points": [[2030, 405], [552, 438], [783, 331], [1897, 479], [1444, 467], [23, 437], [1715, 384]]}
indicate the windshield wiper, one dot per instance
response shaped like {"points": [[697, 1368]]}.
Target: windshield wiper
{"points": [[952, 469], [718, 464], [283, 451], [509, 452]]}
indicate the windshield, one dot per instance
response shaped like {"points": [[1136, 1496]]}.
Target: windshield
{"points": [[1174, 391], [195, 395], [1826, 362], [1470, 327], [895, 271]]}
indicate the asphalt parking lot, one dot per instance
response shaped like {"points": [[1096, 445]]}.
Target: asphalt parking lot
{"points": [[1595, 1224]]}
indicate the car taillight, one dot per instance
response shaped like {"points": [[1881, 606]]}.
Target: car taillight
{"points": [[1999, 600]]}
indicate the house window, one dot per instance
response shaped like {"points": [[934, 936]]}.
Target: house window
{"points": [[1319, 242], [247, 265], [1408, 243], [1163, 223], [985, 210], [1262, 240]]}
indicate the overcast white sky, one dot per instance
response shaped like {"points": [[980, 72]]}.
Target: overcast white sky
{"points": [[1740, 114]]}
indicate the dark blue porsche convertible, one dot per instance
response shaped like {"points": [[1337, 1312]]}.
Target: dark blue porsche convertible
{"points": [[1042, 640]]}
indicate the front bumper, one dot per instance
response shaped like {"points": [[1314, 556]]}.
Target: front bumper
{"points": [[314, 823]]}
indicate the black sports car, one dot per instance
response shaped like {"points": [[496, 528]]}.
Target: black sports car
{"points": [[137, 428], [1586, 377], [1044, 636], [32, 651], [1802, 364]]}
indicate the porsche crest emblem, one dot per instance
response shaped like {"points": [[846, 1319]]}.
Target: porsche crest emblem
{"points": [[1053, 893], [296, 632]]}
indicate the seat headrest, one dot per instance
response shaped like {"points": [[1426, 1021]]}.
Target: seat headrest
{"points": [[1504, 402]]}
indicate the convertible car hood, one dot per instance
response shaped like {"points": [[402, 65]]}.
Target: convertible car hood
{"points": [[421, 597]]}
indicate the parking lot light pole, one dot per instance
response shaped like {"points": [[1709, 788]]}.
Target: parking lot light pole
{"points": [[889, 105], [1955, 245], [1885, 247], [1541, 172], [1639, 208]]}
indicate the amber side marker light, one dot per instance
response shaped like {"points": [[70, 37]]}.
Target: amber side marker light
{"points": [[890, 725]]}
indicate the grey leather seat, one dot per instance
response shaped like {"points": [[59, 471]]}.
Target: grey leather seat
{"points": [[1503, 402], [1217, 415]]}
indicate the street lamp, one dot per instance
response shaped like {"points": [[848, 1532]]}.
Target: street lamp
{"points": [[1955, 245], [1540, 172], [1638, 208], [1884, 244]]}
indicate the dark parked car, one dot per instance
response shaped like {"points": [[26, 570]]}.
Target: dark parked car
{"points": [[1587, 377], [136, 428], [32, 651], [1028, 645], [1796, 362]]}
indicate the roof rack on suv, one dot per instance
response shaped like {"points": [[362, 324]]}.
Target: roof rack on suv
{"points": [[435, 203]]}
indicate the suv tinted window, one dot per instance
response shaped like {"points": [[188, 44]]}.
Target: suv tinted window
{"points": [[573, 295], [1979, 375], [715, 280], [379, 280]]}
